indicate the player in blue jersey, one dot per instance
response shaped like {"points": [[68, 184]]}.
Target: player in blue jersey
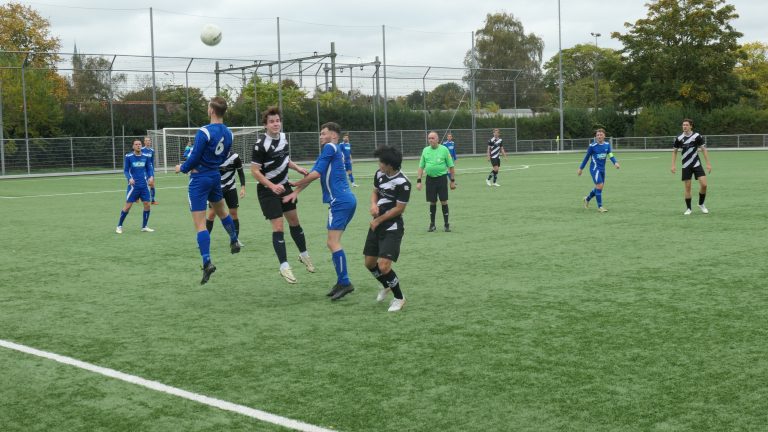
{"points": [[336, 193], [346, 150], [210, 150], [149, 151], [597, 152], [139, 172], [450, 145]]}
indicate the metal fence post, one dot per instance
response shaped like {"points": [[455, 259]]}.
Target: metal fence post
{"points": [[72, 154], [26, 120], [645, 143], [738, 141]]}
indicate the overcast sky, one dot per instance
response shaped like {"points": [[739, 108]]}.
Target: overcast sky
{"points": [[434, 33]]}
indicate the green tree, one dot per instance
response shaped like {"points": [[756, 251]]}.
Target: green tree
{"points": [[580, 64], [447, 96], [752, 69], [683, 52], [25, 41], [503, 44]]}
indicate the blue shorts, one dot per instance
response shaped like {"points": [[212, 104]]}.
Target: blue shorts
{"points": [[348, 166], [136, 192], [340, 213], [597, 176], [204, 189]]}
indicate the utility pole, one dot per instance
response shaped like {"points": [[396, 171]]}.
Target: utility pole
{"points": [[594, 68]]}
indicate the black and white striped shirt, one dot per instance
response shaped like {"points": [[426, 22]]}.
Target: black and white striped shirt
{"points": [[495, 145], [689, 146], [271, 154], [390, 191], [227, 170]]}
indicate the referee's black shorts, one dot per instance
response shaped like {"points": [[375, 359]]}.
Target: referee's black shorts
{"points": [[697, 172], [437, 188]]}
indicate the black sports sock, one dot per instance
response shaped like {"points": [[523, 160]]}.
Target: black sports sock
{"points": [[376, 272], [393, 283], [432, 210], [297, 234], [208, 225], [688, 203], [702, 197], [278, 242], [445, 214], [237, 226], [495, 176], [490, 176]]}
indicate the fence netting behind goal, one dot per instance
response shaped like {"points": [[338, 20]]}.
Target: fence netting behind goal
{"points": [[170, 143]]}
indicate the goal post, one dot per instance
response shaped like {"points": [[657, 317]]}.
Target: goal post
{"points": [[170, 143]]}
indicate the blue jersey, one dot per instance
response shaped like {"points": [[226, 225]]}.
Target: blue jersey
{"points": [[451, 148], [209, 151], [187, 151], [597, 154], [150, 153], [139, 168], [333, 176], [346, 151]]}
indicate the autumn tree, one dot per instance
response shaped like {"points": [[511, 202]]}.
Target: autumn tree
{"points": [[580, 65], [683, 52], [752, 69]]}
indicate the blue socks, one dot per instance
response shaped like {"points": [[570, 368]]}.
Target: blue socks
{"points": [[145, 219], [152, 192], [123, 214], [351, 178], [229, 225], [591, 194], [599, 197], [204, 243], [340, 264]]}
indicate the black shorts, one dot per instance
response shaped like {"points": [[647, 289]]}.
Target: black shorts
{"points": [[437, 187], [495, 162], [697, 172], [272, 206], [231, 198], [384, 244]]}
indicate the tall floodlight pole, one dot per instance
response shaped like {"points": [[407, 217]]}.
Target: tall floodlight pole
{"points": [[384, 55], [472, 72], [560, 73], [279, 72], [594, 68], [24, 107], [186, 88], [2, 128], [154, 84]]}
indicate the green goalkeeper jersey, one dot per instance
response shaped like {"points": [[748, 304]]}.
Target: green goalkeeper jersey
{"points": [[436, 161]]}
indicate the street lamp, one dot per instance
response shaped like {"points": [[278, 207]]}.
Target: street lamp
{"points": [[595, 35]]}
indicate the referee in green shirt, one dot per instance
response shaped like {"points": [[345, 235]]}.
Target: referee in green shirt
{"points": [[437, 162]]}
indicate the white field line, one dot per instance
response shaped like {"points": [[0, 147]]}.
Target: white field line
{"points": [[160, 387], [460, 170]]}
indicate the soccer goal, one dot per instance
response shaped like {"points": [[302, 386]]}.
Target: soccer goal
{"points": [[169, 143]]}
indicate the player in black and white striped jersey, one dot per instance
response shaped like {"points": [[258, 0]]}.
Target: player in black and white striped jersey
{"points": [[228, 189], [269, 165], [390, 195], [690, 142], [495, 150]]}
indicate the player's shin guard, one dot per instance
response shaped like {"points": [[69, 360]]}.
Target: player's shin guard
{"points": [[351, 178], [702, 197], [152, 192], [145, 218], [340, 265], [591, 194], [432, 211], [297, 234], [688, 203], [599, 197], [229, 225], [393, 283], [209, 225], [204, 243], [490, 176], [495, 176], [123, 214], [278, 243], [237, 226], [445, 213]]}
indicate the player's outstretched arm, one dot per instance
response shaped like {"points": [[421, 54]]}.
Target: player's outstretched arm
{"points": [[674, 160], [297, 168]]}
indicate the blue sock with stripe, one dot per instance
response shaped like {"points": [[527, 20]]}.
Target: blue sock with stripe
{"points": [[123, 214], [591, 194], [351, 178], [340, 264], [599, 197], [152, 191], [229, 225], [204, 243], [145, 219]]}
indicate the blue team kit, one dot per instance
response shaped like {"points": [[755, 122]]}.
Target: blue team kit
{"points": [[209, 151]]}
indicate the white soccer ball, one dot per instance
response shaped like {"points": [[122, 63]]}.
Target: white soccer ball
{"points": [[211, 34]]}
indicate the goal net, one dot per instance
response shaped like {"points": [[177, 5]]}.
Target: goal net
{"points": [[169, 143]]}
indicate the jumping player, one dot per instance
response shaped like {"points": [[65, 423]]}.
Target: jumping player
{"points": [[227, 171]]}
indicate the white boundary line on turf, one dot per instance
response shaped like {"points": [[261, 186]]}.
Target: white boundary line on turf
{"points": [[160, 387], [82, 193]]}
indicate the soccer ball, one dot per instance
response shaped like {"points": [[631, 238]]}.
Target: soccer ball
{"points": [[211, 34]]}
